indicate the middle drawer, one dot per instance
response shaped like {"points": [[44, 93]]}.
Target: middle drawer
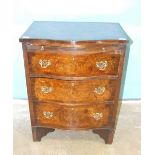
{"points": [[83, 91]]}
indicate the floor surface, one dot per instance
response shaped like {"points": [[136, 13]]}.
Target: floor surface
{"points": [[126, 140]]}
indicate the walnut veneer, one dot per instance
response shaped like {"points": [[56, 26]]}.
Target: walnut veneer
{"points": [[73, 74]]}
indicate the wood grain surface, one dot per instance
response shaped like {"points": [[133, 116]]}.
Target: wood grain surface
{"points": [[83, 91], [73, 116], [73, 65]]}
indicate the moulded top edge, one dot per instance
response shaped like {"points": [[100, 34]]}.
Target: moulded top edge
{"points": [[75, 31]]}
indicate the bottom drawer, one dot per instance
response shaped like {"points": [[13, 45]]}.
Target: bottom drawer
{"points": [[60, 116]]}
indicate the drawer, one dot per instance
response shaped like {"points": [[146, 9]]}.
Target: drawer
{"points": [[73, 65], [86, 91], [58, 116]]}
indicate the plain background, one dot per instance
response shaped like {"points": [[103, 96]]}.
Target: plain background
{"points": [[126, 12]]}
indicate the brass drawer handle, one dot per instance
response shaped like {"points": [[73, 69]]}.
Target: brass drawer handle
{"points": [[48, 114], [101, 65], [46, 89], [97, 116], [44, 63], [99, 90]]}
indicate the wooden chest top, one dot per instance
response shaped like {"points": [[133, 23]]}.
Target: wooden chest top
{"points": [[75, 31]]}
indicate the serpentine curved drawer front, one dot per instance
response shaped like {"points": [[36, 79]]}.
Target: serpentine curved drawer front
{"points": [[58, 116], [84, 91], [73, 65]]}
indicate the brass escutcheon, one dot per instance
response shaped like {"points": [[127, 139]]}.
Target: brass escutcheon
{"points": [[102, 65], [97, 116], [99, 90], [44, 63], [46, 89], [48, 114]]}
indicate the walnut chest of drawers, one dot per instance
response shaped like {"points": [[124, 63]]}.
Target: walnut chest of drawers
{"points": [[73, 74]]}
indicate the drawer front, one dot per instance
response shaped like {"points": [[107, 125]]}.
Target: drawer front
{"points": [[84, 65], [86, 91], [58, 116]]}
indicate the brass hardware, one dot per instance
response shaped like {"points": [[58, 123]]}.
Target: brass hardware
{"points": [[97, 116], [42, 48], [44, 63], [72, 84], [46, 89], [48, 114], [101, 65], [103, 49], [99, 90]]}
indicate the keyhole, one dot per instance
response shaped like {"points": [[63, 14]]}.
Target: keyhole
{"points": [[73, 84]]}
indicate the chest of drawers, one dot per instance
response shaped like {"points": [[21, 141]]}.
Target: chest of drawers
{"points": [[73, 74]]}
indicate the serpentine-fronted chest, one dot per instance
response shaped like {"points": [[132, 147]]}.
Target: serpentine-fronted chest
{"points": [[73, 74]]}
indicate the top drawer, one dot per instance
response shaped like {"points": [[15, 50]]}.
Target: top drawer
{"points": [[75, 63]]}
